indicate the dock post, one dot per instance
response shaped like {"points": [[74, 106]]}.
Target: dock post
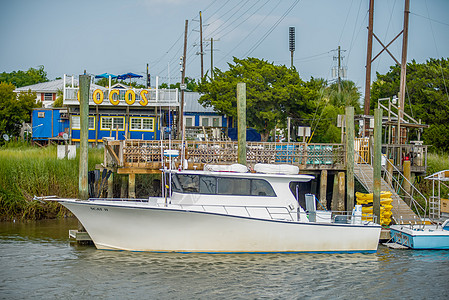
{"points": [[408, 175], [341, 191], [241, 115], [350, 157], [335, 195], [132, 185], [111, 186], [323, 188], [84, 87], [123, 187], [377, 162], [389, 176]]}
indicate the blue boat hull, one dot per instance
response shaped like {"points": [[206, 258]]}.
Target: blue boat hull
{"points": [[421, 240]]}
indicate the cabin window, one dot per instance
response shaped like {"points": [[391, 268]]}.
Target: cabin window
{"points": [[112, 122], [187, 183], [260, 187], [142, 124], [211, 185], [76, 122], [234, 186]]}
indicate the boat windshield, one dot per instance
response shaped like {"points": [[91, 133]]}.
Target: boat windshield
{"points": [[211, 185]]}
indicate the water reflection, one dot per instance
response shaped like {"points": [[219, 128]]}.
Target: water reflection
{"points": [[38, 262]]}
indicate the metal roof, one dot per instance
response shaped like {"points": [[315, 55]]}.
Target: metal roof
{"points": [[52, 86], [191, 103]]}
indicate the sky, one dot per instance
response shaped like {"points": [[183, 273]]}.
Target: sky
{"points": [[68, 37]]}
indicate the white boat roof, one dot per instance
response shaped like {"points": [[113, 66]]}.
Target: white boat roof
{"points": [[296, 177]]}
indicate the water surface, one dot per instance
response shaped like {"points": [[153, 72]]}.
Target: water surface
{"points": [[37, 261]]}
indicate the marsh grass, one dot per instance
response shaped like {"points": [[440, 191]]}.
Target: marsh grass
{"points": [[26, 171], [435, 162]]}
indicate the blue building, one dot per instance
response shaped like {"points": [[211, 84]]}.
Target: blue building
{"points": [[120, 112], [49, 123]]}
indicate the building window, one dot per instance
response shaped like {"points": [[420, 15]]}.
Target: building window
{"points": [[142, 124], [76, 122], [213, 121], [48, 97], [205, 121], [189, 121], [108, 123], [41, 114]]}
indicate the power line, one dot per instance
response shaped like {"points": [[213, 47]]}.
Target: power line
{"points": [[251, 50], [256, 27]]}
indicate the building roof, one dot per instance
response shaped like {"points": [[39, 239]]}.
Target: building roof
{"points": [[192, 104], [51, 86]]}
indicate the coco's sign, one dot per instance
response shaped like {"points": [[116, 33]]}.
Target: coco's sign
{"points": [[130, 97]]}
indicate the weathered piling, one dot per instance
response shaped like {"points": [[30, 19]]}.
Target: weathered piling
{"points": [[323, 188], [377, 162], [408, 175], [241, 114], [349, 157], [84, 88]]}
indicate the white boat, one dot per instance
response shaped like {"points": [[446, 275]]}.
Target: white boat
{"points": [[223, 212]]}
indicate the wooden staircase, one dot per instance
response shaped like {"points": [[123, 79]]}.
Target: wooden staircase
{"points": [[401, 210]]}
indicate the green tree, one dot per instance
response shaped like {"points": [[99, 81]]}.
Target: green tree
{"points": [[329, 105], [427, 96], [14, 109], [24, 78], [192, 85], [272, 93], [59, 99]]}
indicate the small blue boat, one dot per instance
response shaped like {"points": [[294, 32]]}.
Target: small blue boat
{"points": [[421, 236]]}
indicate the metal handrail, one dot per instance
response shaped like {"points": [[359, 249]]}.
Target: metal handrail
{"points": [[413, 202], [204, 206]]}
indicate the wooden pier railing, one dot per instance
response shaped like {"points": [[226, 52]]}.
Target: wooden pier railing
{"points": [[149, 154]]}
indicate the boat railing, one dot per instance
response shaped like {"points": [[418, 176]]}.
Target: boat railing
{"points": [[395, 185], [347, 217], [266, 212]]}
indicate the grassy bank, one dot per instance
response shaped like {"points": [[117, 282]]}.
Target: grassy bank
{"points": [[435, 163], [26, 171]]}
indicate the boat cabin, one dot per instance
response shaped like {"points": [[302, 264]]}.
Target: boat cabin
{"points": [[221, 191]]}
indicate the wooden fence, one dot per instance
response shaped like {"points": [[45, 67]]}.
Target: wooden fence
{"points": [[149, 154]]}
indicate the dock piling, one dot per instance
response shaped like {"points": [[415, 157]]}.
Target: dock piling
{"points": [[84, 87], [241, 119]]}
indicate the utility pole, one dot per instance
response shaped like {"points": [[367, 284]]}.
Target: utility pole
{"points": [[211, 58], [338, 71], [403, 69], [183, 75], [369, 52], [148, 78], [201, 45]]}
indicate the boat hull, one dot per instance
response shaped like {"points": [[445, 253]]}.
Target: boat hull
{"points": [[437, 239], [161, 229]]}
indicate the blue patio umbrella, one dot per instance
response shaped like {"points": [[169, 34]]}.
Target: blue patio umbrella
{"points": [[106, 75], [129, 75]]}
